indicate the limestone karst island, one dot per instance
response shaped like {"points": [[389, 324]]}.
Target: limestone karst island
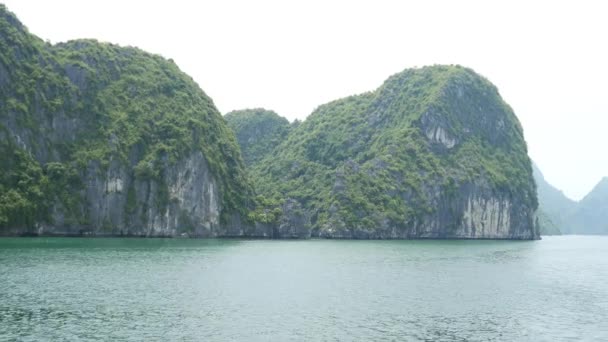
{"points": [[102, 140]]}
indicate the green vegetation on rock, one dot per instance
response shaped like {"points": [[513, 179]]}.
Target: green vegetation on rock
{"points": [[102, 139], [82, 111], [415, 158], [258, 131]]}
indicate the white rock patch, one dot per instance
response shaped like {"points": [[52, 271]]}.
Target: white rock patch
{"points": [[114, 185]]}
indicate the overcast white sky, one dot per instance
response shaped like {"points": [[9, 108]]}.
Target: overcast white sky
{"points": [[549, 59]]}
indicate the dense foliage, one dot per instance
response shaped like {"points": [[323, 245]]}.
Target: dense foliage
{"points": [[367, 160], [65, 106], [258, 131]]}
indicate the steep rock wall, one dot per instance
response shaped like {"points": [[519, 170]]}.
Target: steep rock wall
{"points": [[98, 139]]}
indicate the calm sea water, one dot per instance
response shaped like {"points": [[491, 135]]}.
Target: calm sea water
{"points": [[236, 290]]}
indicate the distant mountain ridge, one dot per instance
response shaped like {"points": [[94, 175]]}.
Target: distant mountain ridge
{"points": [[559, 214], [590, 216], [553, 205]]}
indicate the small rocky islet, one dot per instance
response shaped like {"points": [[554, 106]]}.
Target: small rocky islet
{"points": [[102, 140]]}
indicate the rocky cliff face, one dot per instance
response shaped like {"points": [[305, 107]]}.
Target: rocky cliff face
{"points": [[432, 153], [103, 140], [185, 201]]}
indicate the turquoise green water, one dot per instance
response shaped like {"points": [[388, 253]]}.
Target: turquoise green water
{"points": [[232, 290]]}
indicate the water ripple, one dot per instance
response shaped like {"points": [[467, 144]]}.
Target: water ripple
{"points": [[216, 290]]}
